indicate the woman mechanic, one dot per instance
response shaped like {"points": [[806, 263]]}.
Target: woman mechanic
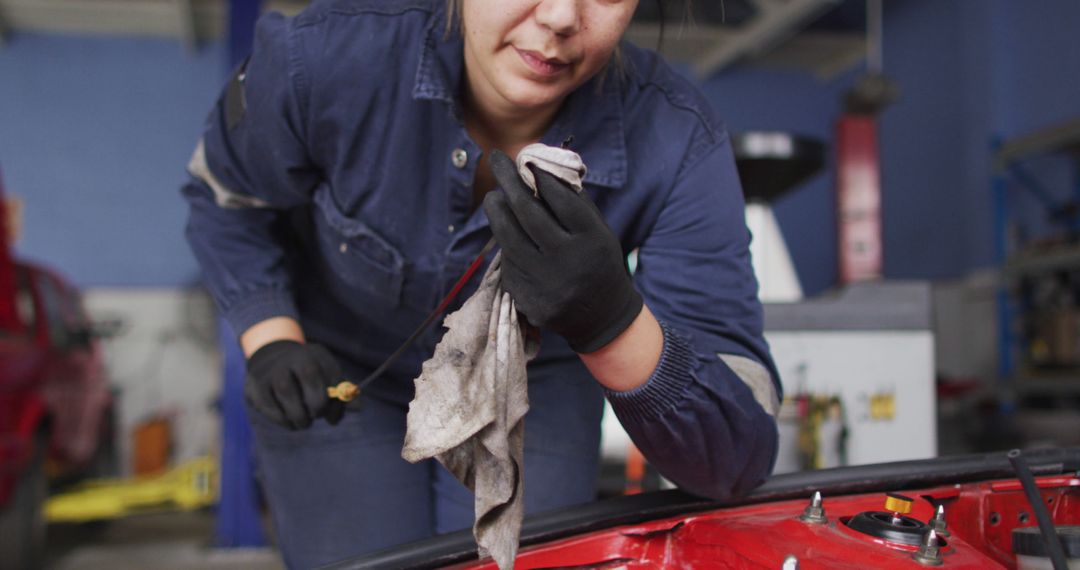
{"points": [[357, 164]]}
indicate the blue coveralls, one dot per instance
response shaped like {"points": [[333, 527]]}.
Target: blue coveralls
{"points": [[337, 190]]}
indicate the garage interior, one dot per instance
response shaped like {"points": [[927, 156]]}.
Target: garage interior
{"points": [[912, 176]]}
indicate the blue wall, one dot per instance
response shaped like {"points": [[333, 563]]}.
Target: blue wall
{"points": [[925, 196], [1037, 45], [968, 71], [94, 135]]}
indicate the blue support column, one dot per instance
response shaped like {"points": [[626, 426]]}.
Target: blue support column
{"points": [[238, 521], [1004, 303], [242, 16]]}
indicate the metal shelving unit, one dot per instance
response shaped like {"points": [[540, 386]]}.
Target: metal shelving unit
{"points": [[1042, 384], [1031, 263], [1025, 263]]}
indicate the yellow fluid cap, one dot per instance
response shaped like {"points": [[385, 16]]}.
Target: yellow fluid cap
{"points": [[898, 503]]}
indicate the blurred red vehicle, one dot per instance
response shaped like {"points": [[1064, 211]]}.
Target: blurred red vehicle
{"points": [[55, 403]]}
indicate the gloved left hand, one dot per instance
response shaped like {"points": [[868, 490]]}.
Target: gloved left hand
{"points": [[562, 265]]}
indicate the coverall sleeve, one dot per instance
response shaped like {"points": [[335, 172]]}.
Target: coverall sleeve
{"points": [[706, 417], [251, 165]]}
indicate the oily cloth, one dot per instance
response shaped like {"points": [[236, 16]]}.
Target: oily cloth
{"points": [[472, 394]]}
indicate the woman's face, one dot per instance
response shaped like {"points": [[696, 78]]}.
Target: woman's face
{"points": [[530, 54]]}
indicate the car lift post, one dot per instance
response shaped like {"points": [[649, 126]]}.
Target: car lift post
{"points": [[238, 522]]}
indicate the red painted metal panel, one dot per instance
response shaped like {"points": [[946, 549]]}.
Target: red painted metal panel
{"points": [[762, 535]]}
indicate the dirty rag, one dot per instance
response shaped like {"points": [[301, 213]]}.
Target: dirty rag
{"points": [[472, 394], [562, 163]]}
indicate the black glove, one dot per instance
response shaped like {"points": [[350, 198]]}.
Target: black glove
{"points": [[287, 381], [561, 263]]}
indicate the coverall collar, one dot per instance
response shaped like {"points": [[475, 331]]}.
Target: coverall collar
{"points": [[593, 114]]}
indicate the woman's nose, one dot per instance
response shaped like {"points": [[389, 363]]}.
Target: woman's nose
{"points": [[563, 17]]}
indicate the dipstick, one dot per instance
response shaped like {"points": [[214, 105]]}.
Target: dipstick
{"points": [[344, 391]]}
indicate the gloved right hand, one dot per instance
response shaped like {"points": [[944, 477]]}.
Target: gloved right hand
{"points": [[286, 382]]}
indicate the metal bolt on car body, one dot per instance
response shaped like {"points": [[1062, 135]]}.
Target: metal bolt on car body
{"points": [[929, 553], [814, 512], [937, 523]]}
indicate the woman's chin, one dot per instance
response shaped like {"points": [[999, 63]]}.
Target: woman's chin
{"points": [[528, 95]]}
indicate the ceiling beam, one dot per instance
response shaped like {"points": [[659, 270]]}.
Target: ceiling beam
{"points": [[3, 27], [770, 38], [683, 43], [187, 20], [776, 21], [153, 18], [189, 34], [825, 54]]}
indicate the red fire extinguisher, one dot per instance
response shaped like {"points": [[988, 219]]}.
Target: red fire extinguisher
{"points": [[858, 167]]}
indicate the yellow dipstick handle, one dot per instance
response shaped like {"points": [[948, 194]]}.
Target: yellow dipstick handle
{"points": [[344, 391], [898, 504]]}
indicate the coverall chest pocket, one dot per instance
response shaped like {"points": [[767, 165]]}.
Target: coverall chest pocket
{"points": [[357, 255]]}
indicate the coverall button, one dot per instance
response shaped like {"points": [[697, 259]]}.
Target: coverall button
{"points": [[343, 247], [459, 157], [451, 228]]}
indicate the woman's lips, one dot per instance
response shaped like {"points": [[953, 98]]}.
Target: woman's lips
{"points": [[541, 66]]}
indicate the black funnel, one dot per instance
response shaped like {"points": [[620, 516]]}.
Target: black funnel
{"points": [[771, 163]]}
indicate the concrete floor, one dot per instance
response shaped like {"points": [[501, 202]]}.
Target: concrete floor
{"points": [[178, 541]]}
